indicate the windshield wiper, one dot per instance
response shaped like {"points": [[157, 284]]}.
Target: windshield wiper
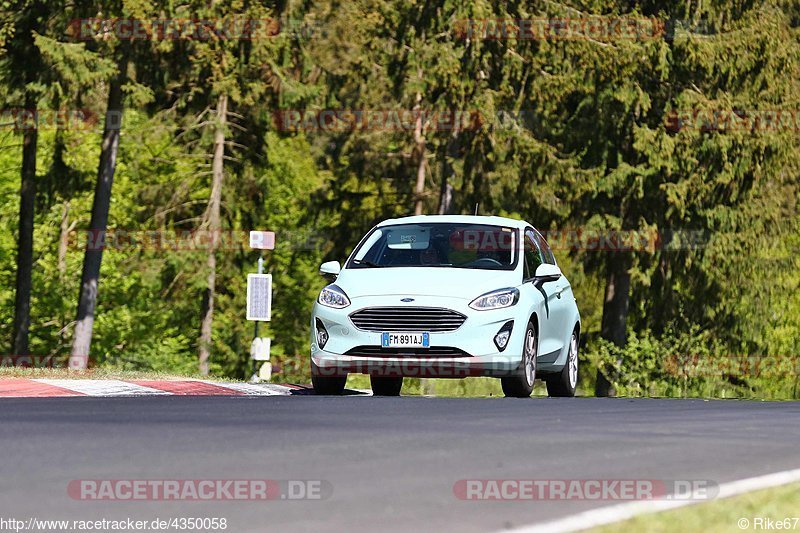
{"points": [[367, 262]]}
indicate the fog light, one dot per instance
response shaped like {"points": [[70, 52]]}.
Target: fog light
{"points": [[322, 334], [501, 339]]}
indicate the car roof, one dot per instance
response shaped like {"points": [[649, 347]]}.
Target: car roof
{"points": [[462, 219]]}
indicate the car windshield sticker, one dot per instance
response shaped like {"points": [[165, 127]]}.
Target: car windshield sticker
{"points": [[408, 238]]}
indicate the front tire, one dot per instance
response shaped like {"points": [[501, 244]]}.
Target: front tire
{"points": [[521, 384], [327, 385], [563, 384], [383, 386]]}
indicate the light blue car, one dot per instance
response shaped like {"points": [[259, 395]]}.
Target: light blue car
{"points": [[447, 296]]}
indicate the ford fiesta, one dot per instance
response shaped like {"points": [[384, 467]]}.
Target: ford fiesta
{"points": [[447, 296]]}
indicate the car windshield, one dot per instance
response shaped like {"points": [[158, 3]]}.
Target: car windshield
{"points": [[477, 246]]}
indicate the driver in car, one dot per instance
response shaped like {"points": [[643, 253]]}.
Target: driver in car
{"points": [[429, 256]]}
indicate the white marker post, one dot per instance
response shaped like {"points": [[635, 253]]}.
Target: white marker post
{"points": [[259, 303]]}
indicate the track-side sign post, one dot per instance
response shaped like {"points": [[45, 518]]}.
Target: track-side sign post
{"points": [[259, 304]]}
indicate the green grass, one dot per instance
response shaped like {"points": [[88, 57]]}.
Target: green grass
{"points": [[721, 515], [469, 387]]}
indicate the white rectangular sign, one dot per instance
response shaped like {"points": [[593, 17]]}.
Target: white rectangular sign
{"points": [[262, 240], [259, 297], [259, 349]]}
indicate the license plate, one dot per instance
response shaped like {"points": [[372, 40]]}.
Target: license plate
{"points": [[405, 340]]}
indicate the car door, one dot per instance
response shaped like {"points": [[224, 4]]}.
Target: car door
{"points": [[549, 338], [561, 305]]}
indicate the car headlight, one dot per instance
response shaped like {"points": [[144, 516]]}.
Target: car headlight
{"points": [[495, 300], [333, 296]]}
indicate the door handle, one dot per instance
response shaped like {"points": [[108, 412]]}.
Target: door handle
{"points": [[559, 291]]}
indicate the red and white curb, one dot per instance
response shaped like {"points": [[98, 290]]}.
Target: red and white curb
{"points": [[30, 388]]}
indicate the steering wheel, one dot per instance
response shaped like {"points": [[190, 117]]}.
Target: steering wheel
{"points": [[485, 261]]}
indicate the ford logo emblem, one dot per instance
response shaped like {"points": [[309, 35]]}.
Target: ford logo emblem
{"points": [[407, 300]]}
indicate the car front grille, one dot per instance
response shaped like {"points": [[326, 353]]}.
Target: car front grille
{"points": [[433, 351], [433, 319]]}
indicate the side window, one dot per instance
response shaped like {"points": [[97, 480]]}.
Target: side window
{"points": [[527, 246], [547, 253], [533, 256]]}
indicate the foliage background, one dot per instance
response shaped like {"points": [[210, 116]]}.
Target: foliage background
{"points": [[574, 137]]}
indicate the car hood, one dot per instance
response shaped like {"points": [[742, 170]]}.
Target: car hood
{"points": [[461, 283]]}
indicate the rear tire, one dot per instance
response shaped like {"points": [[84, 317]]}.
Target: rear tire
{"points": [[563, 384], [383, 386], [327, 385], [521, 384]]}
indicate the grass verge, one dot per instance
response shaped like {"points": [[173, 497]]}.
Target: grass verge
{"points": [[755, 510], [474, 387]]}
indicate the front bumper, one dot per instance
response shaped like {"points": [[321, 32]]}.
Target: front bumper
{"points": [[468, 351]]}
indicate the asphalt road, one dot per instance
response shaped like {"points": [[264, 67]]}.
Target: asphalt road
{"points": [[390, 463]]}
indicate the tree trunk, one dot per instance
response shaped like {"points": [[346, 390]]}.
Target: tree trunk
{"points": [[63, 241], [451, 151], [445, 197], [615, 312], [213, 226], [419, 189], [82, 340], [22, 304]]}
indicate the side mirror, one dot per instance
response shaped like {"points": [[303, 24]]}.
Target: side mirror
{"points": [[547, 272], [331, 268]]}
